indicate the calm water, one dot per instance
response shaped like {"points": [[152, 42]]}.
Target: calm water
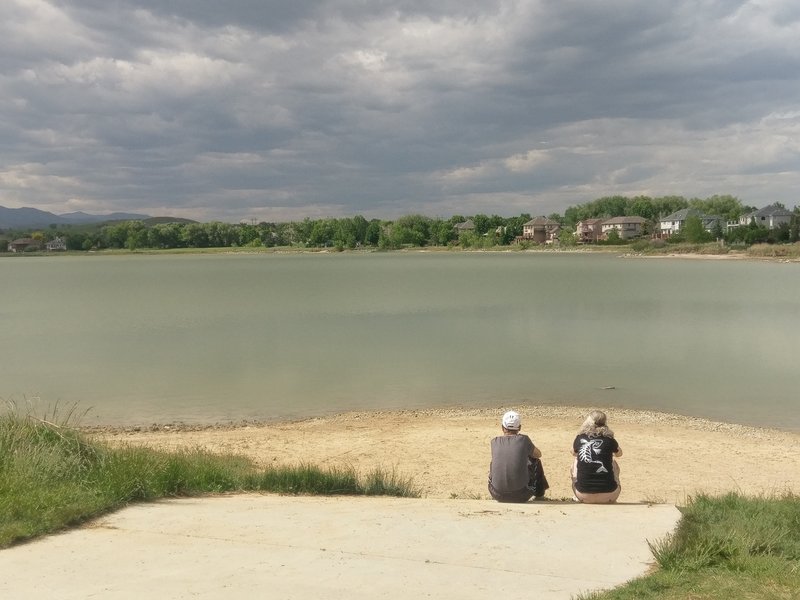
{"points": [[145, 339]]}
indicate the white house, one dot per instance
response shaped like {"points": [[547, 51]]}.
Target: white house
{"points": [[671, 224], [57, 244], [771, 217]]}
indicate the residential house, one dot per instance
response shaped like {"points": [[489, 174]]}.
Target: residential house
{"points": [[626, 227], [57, 244], [464, 227], [23, 244], [588, 231], [671, 224], [771, 217], [540, 230]]}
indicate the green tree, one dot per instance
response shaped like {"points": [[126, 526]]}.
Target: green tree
{"points": [[567, 238], [482, 224], [442, 232], [693, 230], [716, 232], [322, 233], [373, 233], [725, 206], [413, 230], [642, 206]]}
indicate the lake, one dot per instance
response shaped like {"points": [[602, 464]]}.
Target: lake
{"points": [[214, 338]]}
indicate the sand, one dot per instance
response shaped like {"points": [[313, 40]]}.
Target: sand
{"points": [[666, 458]]}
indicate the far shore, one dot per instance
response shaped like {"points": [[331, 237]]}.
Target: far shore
{"points": [[667, 458], [622, 251]]}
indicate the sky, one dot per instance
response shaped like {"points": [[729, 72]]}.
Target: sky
{"points": [[280, 110]]}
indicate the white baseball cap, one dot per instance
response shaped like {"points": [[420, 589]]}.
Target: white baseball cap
{"points": [[511, 420]]}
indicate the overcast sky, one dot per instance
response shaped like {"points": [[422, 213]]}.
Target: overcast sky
{"points": [[281, 109]]}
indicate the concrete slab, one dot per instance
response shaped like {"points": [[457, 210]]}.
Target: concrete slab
{"points": [[281, 547]]}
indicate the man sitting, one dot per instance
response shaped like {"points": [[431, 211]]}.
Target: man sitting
{"points": [[515, 473]]}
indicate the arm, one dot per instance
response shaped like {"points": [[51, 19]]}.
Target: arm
{"points": [[536, 453], [618, 452]]}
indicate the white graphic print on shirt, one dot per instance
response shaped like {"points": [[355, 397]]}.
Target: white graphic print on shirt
{"points": [[587, 452]]}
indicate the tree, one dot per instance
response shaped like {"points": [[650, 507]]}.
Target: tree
{"points": [[482, 224], [442, 232], [411, 230], [567, 238], [725, 206], [373, 233], [693, 230], [717, 231]]}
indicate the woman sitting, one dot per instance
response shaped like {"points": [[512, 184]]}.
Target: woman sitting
{"points": [[595, 473]]}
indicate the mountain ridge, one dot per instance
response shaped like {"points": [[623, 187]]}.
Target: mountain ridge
{"points": [[20, 218]]}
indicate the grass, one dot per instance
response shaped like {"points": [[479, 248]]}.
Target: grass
{"points": [[725, 547], [775, 250], [52, 477]]}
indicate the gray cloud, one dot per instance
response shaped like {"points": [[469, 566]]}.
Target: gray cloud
{"points": [[280, 110]]}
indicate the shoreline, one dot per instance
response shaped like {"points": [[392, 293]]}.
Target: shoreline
{"points": [[622, 251], [628, 415], [445, 451]]}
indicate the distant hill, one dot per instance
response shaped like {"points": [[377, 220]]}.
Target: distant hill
{"points": [[23, 218], [82, 217], [159, 220]]}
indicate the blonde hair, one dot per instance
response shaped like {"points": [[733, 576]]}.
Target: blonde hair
{"points": [[595, 425]]}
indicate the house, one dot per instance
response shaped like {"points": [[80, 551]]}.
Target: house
{"points": [[57, 244], [671, 224], [626, 227], [464, 227], [588, 231], [540, 230], [23, 244], [771, 217]]}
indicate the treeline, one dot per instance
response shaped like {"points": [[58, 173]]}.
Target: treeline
{"points": [[407, 231], [653, 209], [343, 233]]}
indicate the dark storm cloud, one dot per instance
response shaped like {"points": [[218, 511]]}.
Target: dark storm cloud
{"points": [[288, 109]]}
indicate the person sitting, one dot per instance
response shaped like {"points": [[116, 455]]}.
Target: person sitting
{"points": [[515, 473], [595, 473]]}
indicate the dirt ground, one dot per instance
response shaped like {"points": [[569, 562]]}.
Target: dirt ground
{"points": [[666, 458]]}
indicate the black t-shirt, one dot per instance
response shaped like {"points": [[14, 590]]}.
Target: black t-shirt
{"points": [[595, 463]]}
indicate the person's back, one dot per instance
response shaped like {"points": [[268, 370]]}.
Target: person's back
{"points": [[515, 473], [595, 473], [509, 469]]}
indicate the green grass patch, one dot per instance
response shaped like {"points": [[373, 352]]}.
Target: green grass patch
{"points": [[52, 476], [725, 547]]}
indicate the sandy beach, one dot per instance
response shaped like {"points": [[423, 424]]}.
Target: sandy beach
{"points": [[454, 542], [446, 451]]}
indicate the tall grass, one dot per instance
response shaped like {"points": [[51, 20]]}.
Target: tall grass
{"points": [[52, 476], [725, 547], [775, 250]]}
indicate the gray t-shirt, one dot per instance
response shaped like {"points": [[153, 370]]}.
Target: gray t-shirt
{"points": [[509, 469]]}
